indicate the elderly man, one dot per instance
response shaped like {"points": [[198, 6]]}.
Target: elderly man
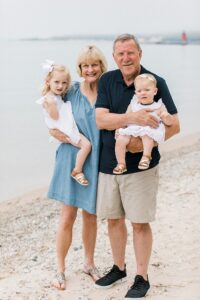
{"points": [[131, 195]]}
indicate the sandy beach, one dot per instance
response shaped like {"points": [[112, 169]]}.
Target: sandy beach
{"points": [[27, 240]]}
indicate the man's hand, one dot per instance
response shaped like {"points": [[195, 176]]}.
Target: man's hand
{"points": [[143, 118], [59, 135]]}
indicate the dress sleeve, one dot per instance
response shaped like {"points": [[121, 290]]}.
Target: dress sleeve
{"points": [[40, 101]]}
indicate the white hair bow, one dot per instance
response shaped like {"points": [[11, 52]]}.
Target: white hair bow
{"points": [[47, 66]]}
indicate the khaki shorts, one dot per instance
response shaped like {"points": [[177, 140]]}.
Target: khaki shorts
{"points": [[132, 196]]}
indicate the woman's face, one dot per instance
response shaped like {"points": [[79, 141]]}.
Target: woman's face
{"points": [[91, 71]]}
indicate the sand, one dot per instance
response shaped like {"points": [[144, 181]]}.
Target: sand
{"points": [[27, 240]]}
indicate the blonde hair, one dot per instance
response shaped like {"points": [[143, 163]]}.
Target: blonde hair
{"points": [[56, 68], [88, 54], [148, 77]]}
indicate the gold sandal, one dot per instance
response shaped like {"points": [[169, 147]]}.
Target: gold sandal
{"points": [[144, 162], [92, 271], [120, 169], [80, 178]]}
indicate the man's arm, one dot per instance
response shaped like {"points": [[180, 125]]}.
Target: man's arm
{"points": [[172, 129], [59, 135], [112, 121], [135, 144], [166, 117]]}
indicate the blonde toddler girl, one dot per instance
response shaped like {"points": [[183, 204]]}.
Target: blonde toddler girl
{"points": [[58, 114]]}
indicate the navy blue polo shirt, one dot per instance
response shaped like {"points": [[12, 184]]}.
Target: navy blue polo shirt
{"points": [[115, 95]]}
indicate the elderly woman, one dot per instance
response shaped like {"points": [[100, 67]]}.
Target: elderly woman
{"points": [[91, 64]]}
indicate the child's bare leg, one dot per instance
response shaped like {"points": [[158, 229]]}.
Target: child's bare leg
{"points": [[148, 144], [85, 148], [120, 148]]}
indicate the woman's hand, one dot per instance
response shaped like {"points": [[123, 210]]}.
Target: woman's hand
{"points": [[59, 135]]}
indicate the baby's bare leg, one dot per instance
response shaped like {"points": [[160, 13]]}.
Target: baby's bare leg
{"points": [[148, 144], [85, 148], [120, 148]]}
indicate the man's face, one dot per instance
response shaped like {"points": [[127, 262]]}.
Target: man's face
{"points": [[127, 57]]}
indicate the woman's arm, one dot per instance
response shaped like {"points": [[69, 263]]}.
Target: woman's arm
{"points": [[59, 135]]}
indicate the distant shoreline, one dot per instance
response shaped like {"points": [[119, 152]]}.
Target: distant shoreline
{"points": [[163, 39], [148, 41]]}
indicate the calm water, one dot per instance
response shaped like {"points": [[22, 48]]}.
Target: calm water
{"points": [[26, 160]]}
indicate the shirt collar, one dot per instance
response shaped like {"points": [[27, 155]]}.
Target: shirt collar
{"points": [[121, 79]]}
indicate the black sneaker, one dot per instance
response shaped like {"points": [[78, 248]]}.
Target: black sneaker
{"points": [[114, 276], [138, 289]]}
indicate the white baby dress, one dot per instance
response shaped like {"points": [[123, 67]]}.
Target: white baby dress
{"points": [[66, 122], [157, 134]]}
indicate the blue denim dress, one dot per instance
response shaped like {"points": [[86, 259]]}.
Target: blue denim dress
{"points": [[63, 187]]}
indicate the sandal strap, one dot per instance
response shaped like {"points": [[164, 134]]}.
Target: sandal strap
{"points": [[60, 277], [92, 271], [119, 169], [146, 156], [121, 166], [81, 177], [144, 162]]}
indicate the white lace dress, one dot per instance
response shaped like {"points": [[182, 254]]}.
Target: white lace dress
{"points": [[157, 134], [66, 122]]}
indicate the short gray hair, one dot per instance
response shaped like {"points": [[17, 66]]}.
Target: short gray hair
{"points": [[126, 37]]}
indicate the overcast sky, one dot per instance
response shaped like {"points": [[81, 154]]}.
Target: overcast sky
{"points": [[43, 18]]}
